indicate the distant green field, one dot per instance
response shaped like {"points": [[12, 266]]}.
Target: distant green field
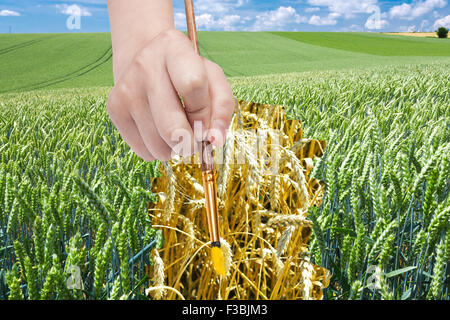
{"points": [[248, 53], [37, 61], [373, 43]]}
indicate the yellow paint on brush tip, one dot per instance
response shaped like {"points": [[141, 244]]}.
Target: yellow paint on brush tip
{"points": [[218, 260]]}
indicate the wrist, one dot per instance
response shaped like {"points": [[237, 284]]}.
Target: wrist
{"points": [[134, 26]]}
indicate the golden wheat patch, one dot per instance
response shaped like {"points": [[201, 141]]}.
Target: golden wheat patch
{"points": [[263, 215]]}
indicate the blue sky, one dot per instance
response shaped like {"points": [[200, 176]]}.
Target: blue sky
{"points": [[29, 16]]}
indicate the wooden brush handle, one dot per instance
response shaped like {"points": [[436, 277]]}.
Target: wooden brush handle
{"points": [[206, 154], [190, 21], [208, 172]]}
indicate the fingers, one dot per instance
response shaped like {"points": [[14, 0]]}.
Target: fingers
{"points": [[167, 113], [126, 126], [150, 136], [222, 103], [129, 110], [189, 77]]}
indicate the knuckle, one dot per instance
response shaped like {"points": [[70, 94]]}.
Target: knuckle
{"points": [[166, 39], [142, 58], [169, 35], [122, 91], [225, 106], [194, 82], [227, 102], [158, 44], [113, 103], [121, 101]]}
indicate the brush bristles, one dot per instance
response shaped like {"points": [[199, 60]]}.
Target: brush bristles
{"points": [[218, 260], [215, 244]]}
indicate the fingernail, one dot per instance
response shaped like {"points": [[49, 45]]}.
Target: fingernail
{"points": [[205, 130], [218, 132], [200, 130]]}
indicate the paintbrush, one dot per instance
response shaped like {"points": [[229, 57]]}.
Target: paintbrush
{"points": [[208, 172]]}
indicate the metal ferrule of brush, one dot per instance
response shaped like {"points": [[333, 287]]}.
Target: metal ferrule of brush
{"points": [[210, 186]]}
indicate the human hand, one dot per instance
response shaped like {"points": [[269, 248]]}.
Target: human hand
{"points": [[145, 107]]}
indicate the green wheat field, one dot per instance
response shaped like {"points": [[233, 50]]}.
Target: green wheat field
{"points": [[73, 194]]}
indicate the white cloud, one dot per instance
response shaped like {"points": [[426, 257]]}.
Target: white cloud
{"points": [[89, 1], [241, 3], [412, 11], [443, 22], [211, 6], [400, 11], [373, 24], [6, 13], [376, 21], [407, 28], [217, 6], [213, 15], [347, 8], [229, 22], [329, 20], [277, 19], [206, 21], [312, 9], [73, 10]]}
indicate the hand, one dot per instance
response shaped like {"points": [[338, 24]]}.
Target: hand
{"points": [[145, 107]]}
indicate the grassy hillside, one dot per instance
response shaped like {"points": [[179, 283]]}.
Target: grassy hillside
{"points": [[36, 61], [54, 60]]}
